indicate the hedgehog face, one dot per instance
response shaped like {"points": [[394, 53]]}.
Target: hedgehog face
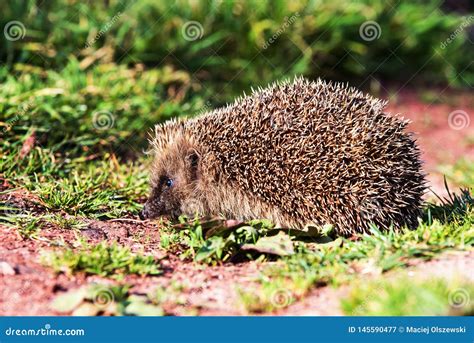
{"points": [[173, 184]]}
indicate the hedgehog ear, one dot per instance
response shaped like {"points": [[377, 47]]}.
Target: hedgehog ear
{"points": [[192, 159]]}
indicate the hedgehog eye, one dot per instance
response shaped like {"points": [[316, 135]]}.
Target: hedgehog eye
{"points": [[169, 182]]}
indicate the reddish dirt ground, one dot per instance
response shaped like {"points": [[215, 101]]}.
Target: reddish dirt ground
{"points": [[443, 125], [27, 287]]}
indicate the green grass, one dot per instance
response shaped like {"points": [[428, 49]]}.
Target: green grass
{"points": [[102, 259], [79, 115], [68, 223], [237, 48], [402, 296], [461, 173], [27, 225], [342, 260], [96, 190], [73, 164]]}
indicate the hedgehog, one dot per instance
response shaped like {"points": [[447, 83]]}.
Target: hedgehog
{"points": [[299, 153]]}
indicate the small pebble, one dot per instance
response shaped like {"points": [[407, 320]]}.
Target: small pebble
{"points": [[6, 269]]}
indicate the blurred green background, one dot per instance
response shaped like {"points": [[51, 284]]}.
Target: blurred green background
{"points": [[141, 62]]}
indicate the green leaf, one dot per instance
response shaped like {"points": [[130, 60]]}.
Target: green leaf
{"points": [[280, 244], [141, 308], [86, 309], [212, 246], [69, 301]]}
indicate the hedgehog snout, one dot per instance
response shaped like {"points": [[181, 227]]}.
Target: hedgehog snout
{"points": [[159, 206], [150, 210], [144, 213]]}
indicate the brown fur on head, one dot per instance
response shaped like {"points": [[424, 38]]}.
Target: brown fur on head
{"points": [[175, 174], [186, 179]]}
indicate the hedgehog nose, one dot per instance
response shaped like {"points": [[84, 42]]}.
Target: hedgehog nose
{"points": [[143, 213]]}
